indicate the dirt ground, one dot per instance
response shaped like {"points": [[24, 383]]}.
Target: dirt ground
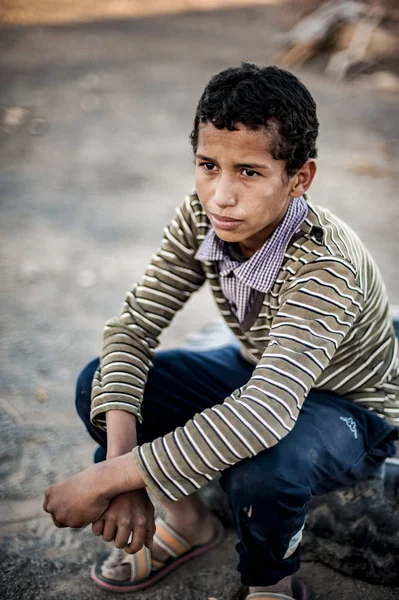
{"points": [[94, 124]]}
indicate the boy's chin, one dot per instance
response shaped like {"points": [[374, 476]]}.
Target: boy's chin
{"points": [[229, 236]]}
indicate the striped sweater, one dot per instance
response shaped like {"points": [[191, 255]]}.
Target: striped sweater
{"points": [[324, 325]]}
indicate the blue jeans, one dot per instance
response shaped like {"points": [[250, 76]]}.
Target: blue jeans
{"points": [[334, 444]]}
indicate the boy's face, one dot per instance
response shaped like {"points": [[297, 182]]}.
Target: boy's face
{"points": [[242, 188]]}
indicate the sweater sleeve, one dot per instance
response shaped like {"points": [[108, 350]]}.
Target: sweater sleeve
{"points": [[317, 309], [130, 340]]}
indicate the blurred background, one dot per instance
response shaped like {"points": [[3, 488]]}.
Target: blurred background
{"points": [[97, 101]]}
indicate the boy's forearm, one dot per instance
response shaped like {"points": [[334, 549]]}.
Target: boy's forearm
{"points": [[119, 472], [121, 433], [119, 475]]}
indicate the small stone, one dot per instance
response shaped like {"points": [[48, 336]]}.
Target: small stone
{"points": [[41, 395]]}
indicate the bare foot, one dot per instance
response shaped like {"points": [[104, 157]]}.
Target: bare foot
{"points": [[195, 529]]}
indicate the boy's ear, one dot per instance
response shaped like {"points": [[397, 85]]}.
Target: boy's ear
{"points": [[302, 180]]}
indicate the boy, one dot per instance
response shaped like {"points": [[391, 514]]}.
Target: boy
{"points": [[307, 405]]}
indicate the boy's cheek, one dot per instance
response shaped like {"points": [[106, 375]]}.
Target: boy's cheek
{"points": [[202, 196], [199, 186]]}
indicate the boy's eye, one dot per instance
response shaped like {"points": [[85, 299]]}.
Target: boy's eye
{"points": [[249, 172], [208, 166]]}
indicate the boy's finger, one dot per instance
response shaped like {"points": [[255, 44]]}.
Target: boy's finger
{"points": [[150, 533], [138, 539], [109, 531], [97, 527], [122, 537], [149, 538]]}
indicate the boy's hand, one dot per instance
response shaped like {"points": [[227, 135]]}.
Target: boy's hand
{"points": [[82, 499], [77, 501], [128, 513]]}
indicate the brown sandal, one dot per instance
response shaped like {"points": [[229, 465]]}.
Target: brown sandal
{"points": [[145, 570]]}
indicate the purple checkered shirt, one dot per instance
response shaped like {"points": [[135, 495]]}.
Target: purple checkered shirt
{"points": [[240, 278]]}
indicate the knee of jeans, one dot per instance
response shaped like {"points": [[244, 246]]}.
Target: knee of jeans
{"points": [[243, 482], [247, 483]]}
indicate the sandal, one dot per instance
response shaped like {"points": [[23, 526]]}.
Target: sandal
{"points": [[299, 592], [145, 570]]}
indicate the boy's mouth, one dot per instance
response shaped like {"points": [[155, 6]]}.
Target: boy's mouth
{"points": [[226, 223]]}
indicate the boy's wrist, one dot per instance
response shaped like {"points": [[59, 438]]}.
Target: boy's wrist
{"points": [[120, 450], [121, 433], [119, 475]]}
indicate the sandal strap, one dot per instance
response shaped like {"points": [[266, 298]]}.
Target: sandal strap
{"points": [[169, 540], [156, 564], [140, 564]]}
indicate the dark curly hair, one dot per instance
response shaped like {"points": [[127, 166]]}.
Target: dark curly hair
{"points": [[262, 97]]}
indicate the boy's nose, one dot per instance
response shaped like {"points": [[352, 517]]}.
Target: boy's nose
{"points": [[224, 194]]}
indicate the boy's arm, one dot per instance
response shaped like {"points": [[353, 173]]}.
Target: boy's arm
{"points": [[121, 433], [130, 340], [130, 513], [129, 343], [315, 316], [317, 309]]}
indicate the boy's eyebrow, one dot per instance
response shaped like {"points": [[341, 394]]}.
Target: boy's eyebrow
{"points": [[251, 166], [202, 157], [241, 165]]}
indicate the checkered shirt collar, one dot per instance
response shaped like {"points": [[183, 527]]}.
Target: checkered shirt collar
{"points": [[260, 271]]}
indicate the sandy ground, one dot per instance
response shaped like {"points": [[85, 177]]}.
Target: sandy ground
{"points": [[94, 124]]}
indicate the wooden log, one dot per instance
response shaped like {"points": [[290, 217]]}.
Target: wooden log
{"points": [[317, 30], [351, 29]]}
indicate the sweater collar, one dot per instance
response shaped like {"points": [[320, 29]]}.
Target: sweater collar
{"points": [[260, 270]]}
